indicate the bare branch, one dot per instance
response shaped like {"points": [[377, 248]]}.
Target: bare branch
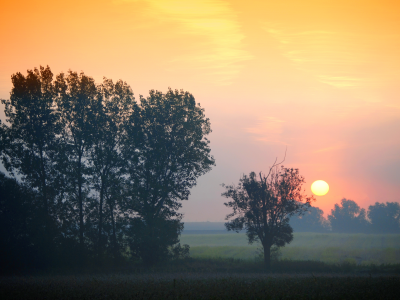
{"points": [[275, 164]]}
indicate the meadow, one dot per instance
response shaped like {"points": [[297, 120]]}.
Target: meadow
{"points": [[224, 266], [201, 286], [362, 249]]}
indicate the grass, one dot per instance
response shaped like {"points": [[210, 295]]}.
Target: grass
{"points": [[363, 249], [211, 286], [302, 239], [226, 267]]}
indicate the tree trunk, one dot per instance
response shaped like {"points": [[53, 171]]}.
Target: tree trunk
{"points": [[47, 247], [80, 204], [44, 189], [114, 236], [101, 217], [267, 257]]}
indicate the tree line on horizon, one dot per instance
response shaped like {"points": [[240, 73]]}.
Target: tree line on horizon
{"points": [[100, 175], [349, 217], [346, 217]]}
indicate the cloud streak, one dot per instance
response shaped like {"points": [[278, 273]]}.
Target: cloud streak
{"points": [[268, 130], [214, 30], [340, 59]]}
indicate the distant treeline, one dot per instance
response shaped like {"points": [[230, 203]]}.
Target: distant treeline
{"points": [[101, 176], [346, 217]]}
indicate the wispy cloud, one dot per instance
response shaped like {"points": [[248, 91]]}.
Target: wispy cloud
{"points": [[332, 148], [340, 59], [218, 48], [268, 130]]}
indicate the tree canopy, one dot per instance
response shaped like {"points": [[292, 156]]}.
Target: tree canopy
{"points": [[108, 171], [348, 217], [171, 152], [312, 220], [385, 217], [263, 204]]}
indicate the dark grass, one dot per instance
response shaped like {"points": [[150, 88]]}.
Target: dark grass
{"points": [[211, 287], [230, 265], [220, 278], [218, 265]]}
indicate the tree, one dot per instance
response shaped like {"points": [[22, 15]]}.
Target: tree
{"points": [[19, 226], [165, 150], [263, 206], [311, 221], [29, 142], [348, 217], [76, 98], [385, 218], [113, 105]]}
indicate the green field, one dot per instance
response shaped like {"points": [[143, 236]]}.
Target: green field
{"points": [[326, 247]]}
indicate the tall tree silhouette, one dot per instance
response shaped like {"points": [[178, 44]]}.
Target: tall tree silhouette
{"points": [[264, 205], [29, 143], [113, 106], [76, 101], [170, 152]]}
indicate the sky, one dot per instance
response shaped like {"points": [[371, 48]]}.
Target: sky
{"points": [[319, 79]]}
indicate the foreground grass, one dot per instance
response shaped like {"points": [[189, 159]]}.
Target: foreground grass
{"points": [[209, 266], [210, 279], [212, 286]]}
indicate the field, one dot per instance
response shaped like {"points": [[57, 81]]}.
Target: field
{"points": [[224, 266], [364, 249], [201, 286]]}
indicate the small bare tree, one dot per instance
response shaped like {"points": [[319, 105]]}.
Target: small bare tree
{"points": [[263, 204]]}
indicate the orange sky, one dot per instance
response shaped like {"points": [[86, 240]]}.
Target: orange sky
{"points": [[321, 78]]}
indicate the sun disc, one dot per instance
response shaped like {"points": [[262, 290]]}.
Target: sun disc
{"points": [[320, 187]]}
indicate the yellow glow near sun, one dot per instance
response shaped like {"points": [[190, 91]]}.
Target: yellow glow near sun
{"points": [[320, 187]]}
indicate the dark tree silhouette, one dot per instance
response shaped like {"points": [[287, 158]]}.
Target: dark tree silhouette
{"points": [[113, 105], [170, 151], [263, 206], [348, 217], [311, 221], [385, 218], [98, 170], [29, 143], [76, 99], [20, 224]]}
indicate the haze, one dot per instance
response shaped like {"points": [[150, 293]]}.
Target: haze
{"points": [[320, 78]]}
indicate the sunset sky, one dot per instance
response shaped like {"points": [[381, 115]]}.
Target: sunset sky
{"points": [[320, 78]]}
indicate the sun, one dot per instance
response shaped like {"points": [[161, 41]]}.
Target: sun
{"points": [[320, 187]]}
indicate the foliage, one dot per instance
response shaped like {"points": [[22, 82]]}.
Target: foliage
{"points": [[108, 172], [311, 220], [29, 142], [348, 217], [263, 207], [76, 97], [151, 242], [170, 152], [179, 252], [385, 218], [20, 226]]}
